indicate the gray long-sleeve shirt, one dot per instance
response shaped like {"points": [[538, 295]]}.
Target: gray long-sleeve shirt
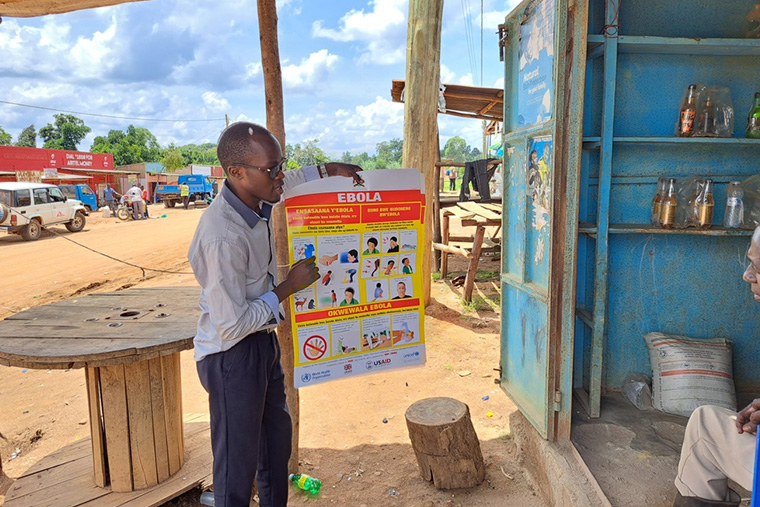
{"points": [[232, 256]]}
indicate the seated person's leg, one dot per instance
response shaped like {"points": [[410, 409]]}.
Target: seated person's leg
{"points": [[714, 451]]}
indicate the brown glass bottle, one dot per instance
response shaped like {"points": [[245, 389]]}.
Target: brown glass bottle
{"points": [[688, 114], [705, 205], [668, 207], [707, 119], [662, 188]]}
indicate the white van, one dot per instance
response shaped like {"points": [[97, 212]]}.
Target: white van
{"points": [[26, 207]]}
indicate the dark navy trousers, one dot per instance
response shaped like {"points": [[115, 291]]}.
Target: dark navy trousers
{"points": [[250, 423]]}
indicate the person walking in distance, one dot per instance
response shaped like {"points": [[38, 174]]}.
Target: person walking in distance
{"points": [[236, 350], [184, 193]]}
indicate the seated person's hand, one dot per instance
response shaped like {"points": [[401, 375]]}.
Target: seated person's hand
{"points": [[748, 418]]}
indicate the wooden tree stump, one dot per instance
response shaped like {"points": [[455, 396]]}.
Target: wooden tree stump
{"points": [[446, 445]]}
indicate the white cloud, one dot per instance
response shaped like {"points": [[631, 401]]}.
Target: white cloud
{"points": [[310, 72], [252, 70], [499, 83], [466, 79], [382, 30], [447, 75], [356, 130], [54, 52], [215, 102]]}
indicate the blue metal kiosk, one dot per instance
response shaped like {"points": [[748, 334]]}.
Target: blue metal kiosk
{"points": [[593, 90]]}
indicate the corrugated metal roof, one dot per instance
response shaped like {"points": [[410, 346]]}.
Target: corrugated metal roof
{"points": [[465, 101], [30, 8]]}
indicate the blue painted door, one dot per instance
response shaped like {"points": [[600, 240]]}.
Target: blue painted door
{"points": [[532, 368]]}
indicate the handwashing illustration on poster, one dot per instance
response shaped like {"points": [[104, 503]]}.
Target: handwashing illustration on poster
{"points": [[365, 313]]}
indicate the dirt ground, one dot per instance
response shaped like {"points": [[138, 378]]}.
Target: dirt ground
{"points": [[344, 441]]}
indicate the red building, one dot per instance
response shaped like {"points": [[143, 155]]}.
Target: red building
{"points": [[55, 166]]}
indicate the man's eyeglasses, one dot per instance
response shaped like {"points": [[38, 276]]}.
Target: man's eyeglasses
{"points": [[273, 171]]}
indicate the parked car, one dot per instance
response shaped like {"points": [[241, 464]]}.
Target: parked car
{"points": [[26, 207], [200, 188], [80, 192]]}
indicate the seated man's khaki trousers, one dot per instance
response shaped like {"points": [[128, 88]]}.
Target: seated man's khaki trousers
{"points": [[713, 451]]}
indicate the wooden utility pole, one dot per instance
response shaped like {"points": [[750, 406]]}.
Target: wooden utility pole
{"points": [[270, 62], [421, 151]]}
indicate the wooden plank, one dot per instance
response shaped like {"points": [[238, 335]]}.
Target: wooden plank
{"points": [[50, 479], [445, 224], [481, 210], [140, 413], [496, 208], [460, 212], [92, 376], [160, 330], [77, 450], [116, 423], [472, 270], [483, 222], [159, 418], [455, 250], [76, 491], [71, 484], [173, 409], [57, 353], [195, 472]]}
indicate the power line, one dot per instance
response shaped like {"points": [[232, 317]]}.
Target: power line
{"points": [[104, 115]]}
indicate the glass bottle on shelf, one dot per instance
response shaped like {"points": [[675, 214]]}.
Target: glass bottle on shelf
{"points": [[669, 204], [753, 119], [705, 205], [707, 119], [752, 23], [688, 113], [733, 218], [662, 187]]}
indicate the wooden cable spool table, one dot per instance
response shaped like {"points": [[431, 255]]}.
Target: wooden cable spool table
{"points": [[128, 343]]}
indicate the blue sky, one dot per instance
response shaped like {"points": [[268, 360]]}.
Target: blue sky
{"points": [[187, 59]]}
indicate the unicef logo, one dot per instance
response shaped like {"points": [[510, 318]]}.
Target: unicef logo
{"points": [[306, 377], [369, 365]]}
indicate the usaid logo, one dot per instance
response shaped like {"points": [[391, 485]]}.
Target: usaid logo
{"points": [[369, 365], [306, 377]]}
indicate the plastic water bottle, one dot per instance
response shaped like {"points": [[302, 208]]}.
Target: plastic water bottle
{"points": [[207, 498], [305, 482], [734, 215]]}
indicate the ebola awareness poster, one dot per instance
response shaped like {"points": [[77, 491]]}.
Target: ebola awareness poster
{"points": [[365, 313]]}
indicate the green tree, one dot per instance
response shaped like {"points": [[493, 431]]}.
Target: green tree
{"points": [[199, 154], [27, 137], [308, 154], [5, 138], [389, 154], [454, 149], [172, 159], [65, 133], [135, 145]]}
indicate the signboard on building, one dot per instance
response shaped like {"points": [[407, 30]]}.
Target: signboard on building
{"points": [[14, 158], [204, 170]]}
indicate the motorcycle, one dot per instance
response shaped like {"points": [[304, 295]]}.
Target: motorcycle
{"points": [[124, 212]]}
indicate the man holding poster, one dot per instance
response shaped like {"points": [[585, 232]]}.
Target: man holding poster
{"points": [[237, 353]]}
